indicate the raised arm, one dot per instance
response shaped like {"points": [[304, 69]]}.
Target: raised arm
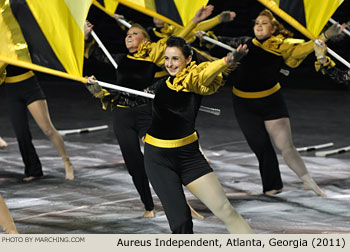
{"points": [[201, 14], [223, 17], [157, 49]]}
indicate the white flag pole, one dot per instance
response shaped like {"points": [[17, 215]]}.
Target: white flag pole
{"points": [[338, 57], [104, 49], [209, 110], [124, 89], [125, 23], [218, 43]]}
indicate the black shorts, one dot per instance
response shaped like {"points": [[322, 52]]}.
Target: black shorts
{"points": [[269, 108], [26, 91], [187, 161]]}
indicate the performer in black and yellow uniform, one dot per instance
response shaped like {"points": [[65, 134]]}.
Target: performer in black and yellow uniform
{"points": [[258, 103], [23, 92], [131, 113], [172, 155], [6, 221]]}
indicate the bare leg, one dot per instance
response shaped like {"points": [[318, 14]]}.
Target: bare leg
{"points": [[280, 132], [40, 113], [6, 221], [3, 143], [209, 190]]}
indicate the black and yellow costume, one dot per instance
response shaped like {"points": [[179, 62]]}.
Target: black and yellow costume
{"points": [[172, 155], [22, 88], [257, 97], [132, 113]]}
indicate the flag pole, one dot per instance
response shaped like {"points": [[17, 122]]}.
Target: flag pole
{"points": [[42, 69], [125, 89], [218, 43], [104, 49], [209, 110], [124, 22], [330, 51]]}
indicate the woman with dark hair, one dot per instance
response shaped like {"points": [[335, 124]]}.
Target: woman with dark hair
{"points": [[132, 113], [172, 155], [258, 103], [6, 221]]}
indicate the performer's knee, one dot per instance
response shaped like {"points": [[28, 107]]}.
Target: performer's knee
{"points": [[225, 211], [49, 131]]}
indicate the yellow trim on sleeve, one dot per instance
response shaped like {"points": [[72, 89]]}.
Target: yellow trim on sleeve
{"points": [[19, 78], [259, 94], [171, 143]]}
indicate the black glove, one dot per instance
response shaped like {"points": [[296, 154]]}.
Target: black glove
{"points": [[332, 31], [226, 16], [95, 89], [237, 55]]}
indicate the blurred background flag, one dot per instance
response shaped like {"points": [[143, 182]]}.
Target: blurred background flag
{"points": [[307, 16], [46, 36], [175, 12], [108, 6]]}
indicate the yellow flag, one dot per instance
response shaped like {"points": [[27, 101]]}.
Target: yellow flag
{"points": [[46, 36]]}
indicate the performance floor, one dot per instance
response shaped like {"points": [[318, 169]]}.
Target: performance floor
{"points": [[102, 199]]}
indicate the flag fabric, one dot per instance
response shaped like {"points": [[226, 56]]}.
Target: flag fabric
{"points": [[175, 12], [307, 16], [46, 36], [108, 6]]}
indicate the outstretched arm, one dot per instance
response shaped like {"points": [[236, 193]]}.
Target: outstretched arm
{"points": [[206, 78], [223, 17]]}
